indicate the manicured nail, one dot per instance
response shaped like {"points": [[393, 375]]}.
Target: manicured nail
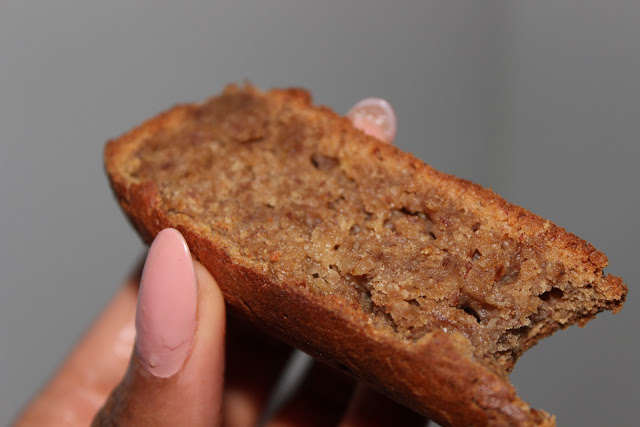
{"points": [[167, 300], [374, 116]]}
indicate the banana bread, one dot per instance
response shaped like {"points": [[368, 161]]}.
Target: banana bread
{"points": [[425, 286]]}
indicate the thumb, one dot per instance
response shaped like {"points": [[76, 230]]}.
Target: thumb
{"points": [[175, 374]]}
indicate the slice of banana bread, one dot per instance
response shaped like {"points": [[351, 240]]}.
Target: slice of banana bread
{"points": [[426, 286]]}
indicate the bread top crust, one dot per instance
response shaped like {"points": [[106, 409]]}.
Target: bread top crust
{"points": [[439, 374], [472, 196]]}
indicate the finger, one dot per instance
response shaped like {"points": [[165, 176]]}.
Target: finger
{"points": [[93, 368], [175, 374], [254, 362], [374, 116], [371, 409], [321, 400]]}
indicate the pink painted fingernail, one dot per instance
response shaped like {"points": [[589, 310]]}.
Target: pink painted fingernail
{"points": [[374, 116], [167, 300]]}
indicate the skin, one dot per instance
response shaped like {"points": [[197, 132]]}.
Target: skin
{"points": [[103, 380]]}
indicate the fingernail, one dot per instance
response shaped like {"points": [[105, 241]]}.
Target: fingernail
{"points": [[375, 117], [166, 310]]}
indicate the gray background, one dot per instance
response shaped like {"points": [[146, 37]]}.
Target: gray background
{"points": [[538, 100]]}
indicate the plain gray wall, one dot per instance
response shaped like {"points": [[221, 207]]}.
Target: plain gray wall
{"points": [[538, 100]]}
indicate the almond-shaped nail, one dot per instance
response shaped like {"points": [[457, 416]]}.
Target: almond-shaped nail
{"points": [[167, 301], [375, 117]]}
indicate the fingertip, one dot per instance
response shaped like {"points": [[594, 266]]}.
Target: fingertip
{"points": [[375, 117], [186, 391], [167, 305]]}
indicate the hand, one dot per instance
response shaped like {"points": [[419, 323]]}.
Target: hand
{"points": [[173, 317]]}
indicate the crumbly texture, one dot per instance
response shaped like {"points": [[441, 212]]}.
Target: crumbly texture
{"points": [[292, 209]]}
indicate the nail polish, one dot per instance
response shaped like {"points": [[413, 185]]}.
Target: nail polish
{"points": [[375, 117], [166, 309]]}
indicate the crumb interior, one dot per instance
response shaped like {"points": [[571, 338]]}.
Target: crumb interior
{"points": [[298, 209]]}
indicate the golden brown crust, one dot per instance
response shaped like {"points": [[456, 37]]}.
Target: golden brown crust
{"points": [[438, 375]]}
